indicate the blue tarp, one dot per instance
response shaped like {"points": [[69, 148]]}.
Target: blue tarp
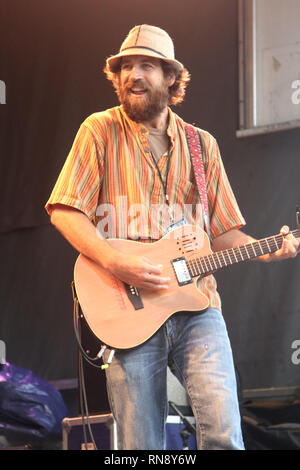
{"points": [[29, 406]]}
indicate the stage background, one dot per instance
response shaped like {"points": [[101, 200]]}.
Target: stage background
{"points": [[52, 56]]}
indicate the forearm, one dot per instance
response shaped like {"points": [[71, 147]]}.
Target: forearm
{"points": [[234, 238], [289, 249], [82, 234], [231, 239]]}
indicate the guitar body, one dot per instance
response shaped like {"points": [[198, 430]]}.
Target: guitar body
{"points": [[125, 317], [104, 299]]}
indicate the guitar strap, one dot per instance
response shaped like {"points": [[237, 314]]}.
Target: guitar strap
{"points": [[195, 147]]}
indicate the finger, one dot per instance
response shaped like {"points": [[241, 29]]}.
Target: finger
{"points": [[289, 246], [152, 268], [157, 287], [285, 245], [157, 280], [284, 230]]}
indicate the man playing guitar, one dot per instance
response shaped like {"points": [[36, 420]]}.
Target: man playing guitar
{"points": [[129, 176]]}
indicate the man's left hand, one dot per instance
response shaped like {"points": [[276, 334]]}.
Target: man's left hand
{"points": [[289, 249]]}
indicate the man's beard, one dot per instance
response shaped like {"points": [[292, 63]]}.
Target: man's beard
{"points": [[145, 108]]}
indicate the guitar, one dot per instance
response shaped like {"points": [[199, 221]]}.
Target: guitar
{"points": [[123, 316]]}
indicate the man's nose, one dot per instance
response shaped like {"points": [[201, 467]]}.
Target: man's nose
{"points": [[136, 73]]}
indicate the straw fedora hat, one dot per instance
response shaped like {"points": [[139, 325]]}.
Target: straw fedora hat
{"points": [[146, 40]]}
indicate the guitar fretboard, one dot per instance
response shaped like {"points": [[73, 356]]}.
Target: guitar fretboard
{"points": [[208, 264]]}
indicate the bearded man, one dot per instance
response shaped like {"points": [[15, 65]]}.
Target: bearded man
{"points": [[125, 163]]}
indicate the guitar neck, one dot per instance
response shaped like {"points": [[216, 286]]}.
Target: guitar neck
{"points": [[220, 259]]}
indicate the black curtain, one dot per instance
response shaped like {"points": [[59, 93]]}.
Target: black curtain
{"points": [[52, 56]]}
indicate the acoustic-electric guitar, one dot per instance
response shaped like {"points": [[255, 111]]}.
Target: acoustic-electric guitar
{"points": [[122, 316]]}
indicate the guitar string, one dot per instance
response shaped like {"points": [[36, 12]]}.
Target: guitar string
{"points": [[205, 261]]}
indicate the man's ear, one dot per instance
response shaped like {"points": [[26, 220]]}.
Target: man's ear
{"points": [[171, 79]]}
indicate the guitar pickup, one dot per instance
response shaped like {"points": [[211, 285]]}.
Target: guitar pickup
{"points": [[134, 296], [182, 273]]}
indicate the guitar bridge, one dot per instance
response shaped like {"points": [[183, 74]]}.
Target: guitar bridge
{"points": [[134, 296]]}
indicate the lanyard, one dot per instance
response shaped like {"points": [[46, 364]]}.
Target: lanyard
{"points": [[164, 184]]}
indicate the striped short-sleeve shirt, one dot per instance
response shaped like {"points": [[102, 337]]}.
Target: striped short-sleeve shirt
{"points": [[111, 176]]}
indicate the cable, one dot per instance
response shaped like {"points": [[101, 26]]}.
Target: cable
{"points": [[84, 407], [81, 401], [89, 359], [82, 389]]}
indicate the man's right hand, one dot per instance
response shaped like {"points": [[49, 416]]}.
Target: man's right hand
{"points": [[137, 271]]}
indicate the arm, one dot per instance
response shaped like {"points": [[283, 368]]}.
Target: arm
{"points": [[224, 208], [76, 227], [289, 249]]}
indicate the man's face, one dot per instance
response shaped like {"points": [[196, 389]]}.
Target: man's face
{"points": [[143, 88]]}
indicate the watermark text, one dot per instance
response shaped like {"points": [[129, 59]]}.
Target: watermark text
{"points": [[296, 94], [296, 354], [137, 221], [2, 352], [2, 92]]}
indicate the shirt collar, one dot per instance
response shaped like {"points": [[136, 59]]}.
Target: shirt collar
{"points": [[143, 131]]}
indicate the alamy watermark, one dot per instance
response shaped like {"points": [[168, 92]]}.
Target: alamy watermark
{"points": [[296, 354], [2, 92], [296, 94], [2, 352], [138, 221]]}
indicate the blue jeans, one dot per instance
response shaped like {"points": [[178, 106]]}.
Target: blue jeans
{"points": [[197, 349]]}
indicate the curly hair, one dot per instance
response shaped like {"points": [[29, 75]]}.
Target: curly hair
{"points": [[176, 91]]}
